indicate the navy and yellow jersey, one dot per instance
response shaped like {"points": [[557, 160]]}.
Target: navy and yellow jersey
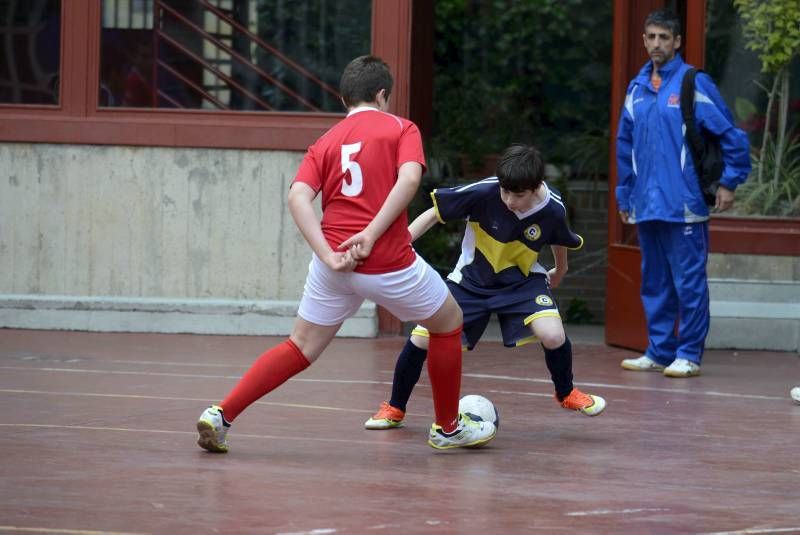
{"points": [[500, 249]]}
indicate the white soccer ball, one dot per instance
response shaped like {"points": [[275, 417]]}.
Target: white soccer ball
{"points": [[479, 408], [795, 393]]}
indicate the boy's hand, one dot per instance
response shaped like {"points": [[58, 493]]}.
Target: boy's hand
{"points": [[555, 277], [342, 262], [359, 246]]}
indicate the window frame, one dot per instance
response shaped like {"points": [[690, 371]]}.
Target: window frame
{"points": [[777, 236], [727, 234], [77, 119]]}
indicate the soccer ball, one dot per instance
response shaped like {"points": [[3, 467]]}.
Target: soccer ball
{"points": [[480, 409]]}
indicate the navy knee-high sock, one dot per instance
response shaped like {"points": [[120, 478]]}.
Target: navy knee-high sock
{"points": [[406, 374], [559, 362]]}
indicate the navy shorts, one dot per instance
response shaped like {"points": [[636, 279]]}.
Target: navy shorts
{"points": [[516, 308]]}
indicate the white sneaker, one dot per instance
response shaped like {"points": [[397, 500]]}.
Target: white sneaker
{"points": [[795, 393], [682, 368], [468, 434], [213, 428], [642, 364]]}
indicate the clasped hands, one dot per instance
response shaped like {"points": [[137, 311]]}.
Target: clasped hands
{"points": [[351, 253]]}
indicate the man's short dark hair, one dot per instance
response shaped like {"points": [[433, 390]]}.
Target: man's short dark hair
{"points": [[363, 78], [520, 168], [665, 18]]}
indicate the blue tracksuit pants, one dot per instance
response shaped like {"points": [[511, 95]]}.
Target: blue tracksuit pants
{"points": [[675, 287]]}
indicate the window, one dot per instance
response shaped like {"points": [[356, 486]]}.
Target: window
{"points": [[773, 188], [30, 40], [498, 81], [230, 54], [196, 73]]}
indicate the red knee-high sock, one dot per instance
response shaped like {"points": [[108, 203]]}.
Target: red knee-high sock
{"points": [[444, 372], [271, 370]]}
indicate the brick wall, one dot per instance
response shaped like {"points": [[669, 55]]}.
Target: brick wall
{"points": [[583, 289]]}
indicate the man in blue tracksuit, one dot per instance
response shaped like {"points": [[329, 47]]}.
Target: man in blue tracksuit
{"points": [[658, 190]]}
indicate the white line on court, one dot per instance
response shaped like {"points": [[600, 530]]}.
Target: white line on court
{"points": [[599, 512], [169, 363], [514, 392], [709, 393], [628, 387], [318, 531], [194, 433], [754, 531], [171, 398], [268, 403], [185, 375], [21, 529], [259, 402]]}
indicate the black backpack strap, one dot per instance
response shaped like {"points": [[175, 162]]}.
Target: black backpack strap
{"points": [[705, 149], [693, 138]]}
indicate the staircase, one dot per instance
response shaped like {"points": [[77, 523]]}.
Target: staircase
{"points": [[750, 314]]}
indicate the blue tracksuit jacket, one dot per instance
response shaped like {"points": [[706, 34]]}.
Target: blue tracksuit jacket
{"points": [[656, 176]]}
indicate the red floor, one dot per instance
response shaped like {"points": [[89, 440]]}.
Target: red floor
{"points": [[97, 436]]}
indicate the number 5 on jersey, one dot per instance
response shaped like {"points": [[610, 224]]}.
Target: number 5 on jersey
{"points": [[356, 183]]}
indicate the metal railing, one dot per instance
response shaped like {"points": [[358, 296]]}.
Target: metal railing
{"points": [[163, 12]]}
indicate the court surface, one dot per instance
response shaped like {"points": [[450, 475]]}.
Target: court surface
{"points": [[97, 435]]}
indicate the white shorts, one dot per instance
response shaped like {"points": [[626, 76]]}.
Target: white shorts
{"points": [[330, 297]]}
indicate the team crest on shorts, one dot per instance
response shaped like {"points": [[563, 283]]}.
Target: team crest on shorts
{"points": [[544, 300], [533, 232]]}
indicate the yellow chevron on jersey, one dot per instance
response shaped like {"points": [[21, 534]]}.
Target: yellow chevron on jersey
{"points": [[503, 255]]}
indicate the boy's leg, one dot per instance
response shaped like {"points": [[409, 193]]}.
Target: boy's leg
{"points": [[419, 292], [407, 371], [412, 358], [277, 365], [268, 372], [444, 362], [558, 357], [557, 352], [451, 429]]}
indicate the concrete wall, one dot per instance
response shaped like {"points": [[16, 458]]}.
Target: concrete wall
{"points": [[148, 236], [754, 267], [755, 302], [195, 240]]}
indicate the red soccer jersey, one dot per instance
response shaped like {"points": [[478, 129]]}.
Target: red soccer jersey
{"points": [[355, 164]]}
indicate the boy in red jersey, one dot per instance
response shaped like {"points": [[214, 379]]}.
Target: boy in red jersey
{"points": [[368, 168]]}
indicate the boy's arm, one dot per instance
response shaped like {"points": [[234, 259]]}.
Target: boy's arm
{"points": [[422, 223], [409, 178], [556, 274], [301, 197]]}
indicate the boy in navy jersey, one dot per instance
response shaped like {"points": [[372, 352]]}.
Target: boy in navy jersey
{"points": [[510, 218]]}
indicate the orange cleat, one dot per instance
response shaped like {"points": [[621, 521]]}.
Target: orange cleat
{"points": [[387, 417], [586, 403]]}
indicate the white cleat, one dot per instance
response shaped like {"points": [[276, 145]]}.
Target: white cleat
{"points": [[468, 434], [213, 429]]}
